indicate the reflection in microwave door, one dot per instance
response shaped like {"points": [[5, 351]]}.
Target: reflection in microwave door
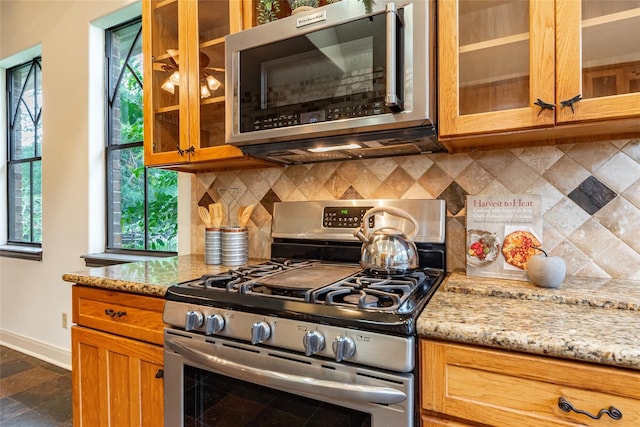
{"points": [[312, 117], [329, 71]]}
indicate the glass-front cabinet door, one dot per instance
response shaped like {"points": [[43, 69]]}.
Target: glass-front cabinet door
{"points": [[216, 19], [183, 43], [164, 88], [496, 61], [598, 64]]}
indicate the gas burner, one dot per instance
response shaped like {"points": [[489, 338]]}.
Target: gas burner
{"points": [[362, 299]]}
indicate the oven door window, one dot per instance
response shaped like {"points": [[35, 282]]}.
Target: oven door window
{"points": [[328, 74], [211, 399]]}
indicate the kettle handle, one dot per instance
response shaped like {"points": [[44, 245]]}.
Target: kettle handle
{"points": [[392, 211]]}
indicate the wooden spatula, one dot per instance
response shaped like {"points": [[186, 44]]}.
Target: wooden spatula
{"points": [[215, 211]]}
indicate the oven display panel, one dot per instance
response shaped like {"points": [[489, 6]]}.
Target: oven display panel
{"points": [[345, 217]]}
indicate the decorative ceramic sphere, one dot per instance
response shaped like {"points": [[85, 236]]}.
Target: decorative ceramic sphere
{"points": [[546, 271]]}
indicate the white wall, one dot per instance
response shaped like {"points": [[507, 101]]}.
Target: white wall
{"points": [[70, 36]]}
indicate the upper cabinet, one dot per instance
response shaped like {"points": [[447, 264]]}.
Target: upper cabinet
{"points": [[598, 58], [183, 44], [512, 65]]}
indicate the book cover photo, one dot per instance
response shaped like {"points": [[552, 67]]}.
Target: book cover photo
{"points": [[503, 232]]}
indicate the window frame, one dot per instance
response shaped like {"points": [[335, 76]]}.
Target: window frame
{"points": [[114, 254], [19, 248]]}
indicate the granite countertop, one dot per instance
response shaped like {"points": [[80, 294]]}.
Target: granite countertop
{"points": [[146, 277], [592, 320]]}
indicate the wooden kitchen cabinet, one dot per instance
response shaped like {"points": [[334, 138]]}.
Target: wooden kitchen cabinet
{"points": [[117, 359], [498, 58], [184, 78], [465, 384]]}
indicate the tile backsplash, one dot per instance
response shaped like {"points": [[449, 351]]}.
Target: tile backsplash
{"points": [[590, 196]]}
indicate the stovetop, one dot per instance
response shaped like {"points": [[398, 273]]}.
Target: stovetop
{"points": [[306, 290], [313, 282]]}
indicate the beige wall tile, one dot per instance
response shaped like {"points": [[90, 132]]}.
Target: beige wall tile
{"points": [[601, 245]]}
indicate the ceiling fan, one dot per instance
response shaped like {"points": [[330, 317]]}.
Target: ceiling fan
{"points": [[208, 83]]}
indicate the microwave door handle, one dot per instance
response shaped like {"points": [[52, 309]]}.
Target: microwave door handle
{"points": [[187, 348], [393, 99]]}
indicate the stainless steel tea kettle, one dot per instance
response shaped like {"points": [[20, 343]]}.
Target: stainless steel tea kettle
{"points": [[388, 250]]}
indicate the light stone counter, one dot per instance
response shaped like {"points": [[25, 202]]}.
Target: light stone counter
{"points": [[589, 320], [147, 277]]}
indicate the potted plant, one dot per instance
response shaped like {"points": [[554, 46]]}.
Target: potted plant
{"points": [[268, 11], [298, 6]]}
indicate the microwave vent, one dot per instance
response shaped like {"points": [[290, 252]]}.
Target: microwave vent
{"points": [[380, 144]]}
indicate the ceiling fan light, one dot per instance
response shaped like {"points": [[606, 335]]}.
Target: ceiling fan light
{"points": [[175, 78], [204, 91], [169, 86], [213, 83]]}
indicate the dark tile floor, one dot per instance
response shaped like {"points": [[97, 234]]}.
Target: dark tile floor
{"points": [[33, 393]]}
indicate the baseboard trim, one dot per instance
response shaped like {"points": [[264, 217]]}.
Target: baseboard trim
{"points": [[43, 351]]}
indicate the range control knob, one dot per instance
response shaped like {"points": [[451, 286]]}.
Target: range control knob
{"points": [[260, 332], [213, 324], [193, 320], [344, 347], [313, 342]]}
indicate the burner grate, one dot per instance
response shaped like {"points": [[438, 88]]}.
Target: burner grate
{"points": [[364, 291], [360, 289]]}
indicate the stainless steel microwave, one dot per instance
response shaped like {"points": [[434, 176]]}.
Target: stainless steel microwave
{"points": [[340, 81]]}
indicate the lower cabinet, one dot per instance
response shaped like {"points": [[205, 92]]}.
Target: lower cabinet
{"points": [[469, 386], [117, 377], [116, 381]]}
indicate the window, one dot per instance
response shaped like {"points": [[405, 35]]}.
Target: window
{"points": [[24, 159], [142, 206]]}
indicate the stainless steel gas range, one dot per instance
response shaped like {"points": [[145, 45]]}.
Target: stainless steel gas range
{"points": [[309, 337]]}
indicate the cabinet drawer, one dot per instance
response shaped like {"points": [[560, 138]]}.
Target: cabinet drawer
{"points": [[507, 389], [134, 316]]}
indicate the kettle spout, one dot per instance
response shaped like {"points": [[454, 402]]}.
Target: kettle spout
{"points": [[359, 233]]}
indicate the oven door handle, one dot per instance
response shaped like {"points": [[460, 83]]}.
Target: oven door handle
{"points": [[187, 348]]}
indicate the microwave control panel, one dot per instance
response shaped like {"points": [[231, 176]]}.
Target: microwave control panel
{"points": [[338, 112]]}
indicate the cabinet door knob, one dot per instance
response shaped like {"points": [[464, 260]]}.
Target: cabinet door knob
{"points": [[160, 373], [568, 407], [570, 102], [544, 106], [189, 150]]}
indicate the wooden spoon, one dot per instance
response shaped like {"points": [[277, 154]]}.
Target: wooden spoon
{"points": [[244, 214], [204, 216]]}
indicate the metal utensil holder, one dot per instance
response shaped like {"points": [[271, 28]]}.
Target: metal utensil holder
{"points": [[235, 245], [212, 246]]}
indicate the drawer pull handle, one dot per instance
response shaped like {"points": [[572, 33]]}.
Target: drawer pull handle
{"points": [[113, 313], [568, 407]]}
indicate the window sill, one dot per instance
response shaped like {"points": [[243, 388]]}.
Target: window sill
{"points": [[22, 252], [105, 259]]}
